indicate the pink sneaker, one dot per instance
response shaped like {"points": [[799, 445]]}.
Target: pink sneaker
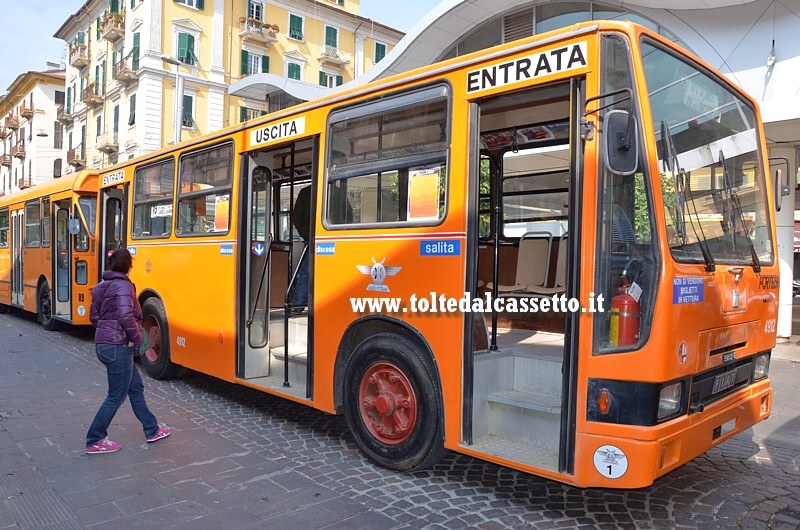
{"points": [[162, 432], [103, 446]]}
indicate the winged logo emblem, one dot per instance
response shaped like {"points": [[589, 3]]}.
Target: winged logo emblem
{"points": [[378, 273]]}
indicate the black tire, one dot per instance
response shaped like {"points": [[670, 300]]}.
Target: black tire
{"points": [[424, 445], [44, 308], [160, 367]]}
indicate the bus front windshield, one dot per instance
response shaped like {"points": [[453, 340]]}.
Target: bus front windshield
{"points": [[711, 176]]}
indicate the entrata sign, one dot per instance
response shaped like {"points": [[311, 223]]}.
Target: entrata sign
{"points": [[542, 64], [278, 131], [113, 178]]}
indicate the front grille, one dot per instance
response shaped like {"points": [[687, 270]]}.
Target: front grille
{"points": [[702, 390]]}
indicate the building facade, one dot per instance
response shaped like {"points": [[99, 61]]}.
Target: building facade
{"points": [[32, 139], [136, 69]]}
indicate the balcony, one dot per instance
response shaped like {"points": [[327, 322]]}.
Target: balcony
{"points": [[76, 157], [25, 183], [79, 56], [108, 142], [26, 111], [18, 150], [5, 132], [12, 122], [112, 26], [92, 96], [5, 160], [333, 56], [124, 71], [63, 116], [252, 30]]}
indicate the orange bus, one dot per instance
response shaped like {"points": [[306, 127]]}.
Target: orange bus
{"points": [[586, 211], [47, 249]]}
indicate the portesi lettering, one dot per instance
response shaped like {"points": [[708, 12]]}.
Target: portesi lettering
{"points": [[541, 64], [278, 131]]}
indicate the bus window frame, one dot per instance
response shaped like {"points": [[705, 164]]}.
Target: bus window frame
{"points": [[77, 213], [177, 195], [48, 211], [377, 105], [7, 213], [38, 218], [133, 203], [88, 225]]}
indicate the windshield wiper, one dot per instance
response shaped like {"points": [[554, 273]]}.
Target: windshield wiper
{"points": [[682, 186], [736, 206]]}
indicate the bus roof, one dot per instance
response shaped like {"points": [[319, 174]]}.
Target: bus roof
{"points": [[436, 69], [81, 182]]}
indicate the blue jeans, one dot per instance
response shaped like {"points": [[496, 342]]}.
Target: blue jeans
{"points": [[123, 380], [300, 293]]}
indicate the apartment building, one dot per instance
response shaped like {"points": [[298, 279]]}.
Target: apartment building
{"points": [[132, 63], [31, 140]]}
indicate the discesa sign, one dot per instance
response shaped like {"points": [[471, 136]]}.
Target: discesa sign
{"points": [[541, 64], [278, 131]]}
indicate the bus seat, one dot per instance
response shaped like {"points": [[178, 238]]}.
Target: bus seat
{"points": [[533, 261], [561, 272]]}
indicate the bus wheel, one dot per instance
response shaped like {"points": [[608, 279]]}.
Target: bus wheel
{"points": [[156, 361], [45, 308], [392, 405]]}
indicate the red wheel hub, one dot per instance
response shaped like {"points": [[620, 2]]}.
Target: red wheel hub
{"points": [[153, 331], [387, 403]]}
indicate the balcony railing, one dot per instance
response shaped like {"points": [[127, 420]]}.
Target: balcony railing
{"points": [[26, 111], [25, 183], [112, 26], [251, 29], [76, 157], [18, 150], [79, 56], [91, 95], [5, 160], [124, 71], [12, 122], [108, 142], [333, 56], [5, 132], [63, 116]]}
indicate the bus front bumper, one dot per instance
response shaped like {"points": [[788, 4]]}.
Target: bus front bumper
{"points": [[622, 462]]}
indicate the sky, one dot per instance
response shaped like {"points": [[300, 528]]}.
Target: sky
{"points": [[28, 44]]}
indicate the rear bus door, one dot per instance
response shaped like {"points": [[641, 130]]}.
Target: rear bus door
{"points": [[113, 219], [17, 265]]}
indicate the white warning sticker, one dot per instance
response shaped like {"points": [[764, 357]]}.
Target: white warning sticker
{"points": [[610, 461]]}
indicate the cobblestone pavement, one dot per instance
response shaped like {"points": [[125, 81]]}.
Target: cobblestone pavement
{"points": [[241, 458]]}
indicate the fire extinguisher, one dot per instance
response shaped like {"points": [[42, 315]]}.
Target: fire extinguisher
{"points": [[624, 316]]}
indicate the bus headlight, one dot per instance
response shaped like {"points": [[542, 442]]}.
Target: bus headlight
{"points": [[761, 366], [669, 400]]}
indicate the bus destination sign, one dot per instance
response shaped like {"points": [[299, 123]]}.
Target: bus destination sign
{"points": [[113, 178], [542, 64]]}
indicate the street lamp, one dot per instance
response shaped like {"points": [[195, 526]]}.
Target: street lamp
{"points": [[178, 95]]}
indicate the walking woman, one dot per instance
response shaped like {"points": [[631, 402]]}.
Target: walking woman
{"points": [[117, 316]]}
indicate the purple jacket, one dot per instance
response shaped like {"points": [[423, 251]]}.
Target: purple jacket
{"points": [[115, 311]]}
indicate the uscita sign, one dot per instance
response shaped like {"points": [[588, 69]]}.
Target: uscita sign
{"points": [[278, 131]]}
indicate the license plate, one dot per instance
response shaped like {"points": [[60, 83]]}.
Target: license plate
{"points": [[724, 381]]}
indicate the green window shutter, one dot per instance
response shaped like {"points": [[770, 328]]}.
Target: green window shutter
{"points": [[81, 37], [103, 78], [183, 45], [190, 49], [242, 114], [295, 27], [264, 64], [68, 107], [133, 4], [323, 79], [331, 37], [245, 63], [294, 71], [132, 115], [114, 6], [98, 28], [263, 112], [135, 52], [339, 80], [116, 118], [341, 2], [187, 111], [96, 77], [200, 4], [380, 51]]}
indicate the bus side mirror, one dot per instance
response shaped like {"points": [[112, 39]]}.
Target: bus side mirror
{"points": [[781, 188], [73, 227], [620, 144]]}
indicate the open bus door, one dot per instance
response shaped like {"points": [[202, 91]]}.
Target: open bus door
{"points": [[62, 259], [113, 220], [17, 258]]}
